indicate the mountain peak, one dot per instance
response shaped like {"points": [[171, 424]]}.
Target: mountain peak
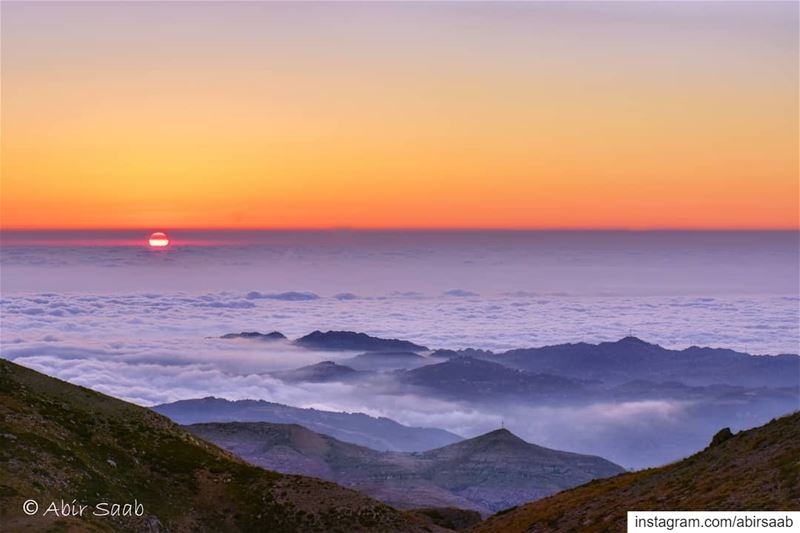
{"points": [[631, 340], [355, 341], [500, 435], [325, 364]]}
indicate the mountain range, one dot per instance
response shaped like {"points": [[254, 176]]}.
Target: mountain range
{"points": [[358, 428], [478, 379], [688, 392], [612, 363], [631, 358], [487, 473], [59, 440]]}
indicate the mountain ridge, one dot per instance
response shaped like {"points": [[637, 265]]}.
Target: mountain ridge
{"points": [[485, 473], [355, 341], [357, 428], [632, 358], [488, 379]]}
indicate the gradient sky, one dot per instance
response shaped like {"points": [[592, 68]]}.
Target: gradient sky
{"points": [[536, 115]]}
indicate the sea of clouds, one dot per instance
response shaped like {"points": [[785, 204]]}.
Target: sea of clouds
{"points": [[143, 326], [157, 348]]}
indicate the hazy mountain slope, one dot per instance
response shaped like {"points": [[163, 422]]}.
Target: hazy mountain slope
{"points": [[631, 358], [488, 473], [289, 448], [386, 360], [477, 379], [63, 441], [357, 428], [757, 470], [322, 372]]}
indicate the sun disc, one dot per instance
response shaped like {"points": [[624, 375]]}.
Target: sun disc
{"points": [[158, 240]]}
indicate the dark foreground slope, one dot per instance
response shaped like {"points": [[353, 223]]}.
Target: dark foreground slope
{"points": [[486, 474], [755, 470], [59, 441]]}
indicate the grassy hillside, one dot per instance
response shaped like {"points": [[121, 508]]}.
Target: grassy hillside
{"points": [[59, 441], [756, 470]]}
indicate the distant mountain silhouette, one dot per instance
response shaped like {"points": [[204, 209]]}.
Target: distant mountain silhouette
{"points": [[323, 372], [358, 428], [695, 388], [476, 379], [352, 341], [255, 335], [631, 358], [613, 363], [386, 360], [487, 473], [755, 470], [466, 352]]}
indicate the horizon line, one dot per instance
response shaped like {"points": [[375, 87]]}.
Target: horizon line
{"points": [[420, 229]]}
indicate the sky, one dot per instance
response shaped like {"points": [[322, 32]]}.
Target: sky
{"points": [[400, 115]]}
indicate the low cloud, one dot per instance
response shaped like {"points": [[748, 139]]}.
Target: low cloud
{"points": [[460, 293], [291, 296], [345, 296]]}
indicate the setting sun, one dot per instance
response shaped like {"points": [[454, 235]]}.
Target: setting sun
{"points": [[445, 265], [158, 240]]}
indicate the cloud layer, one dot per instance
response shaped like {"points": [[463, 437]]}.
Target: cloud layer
{"points": [[142, 326], [762, 325]]}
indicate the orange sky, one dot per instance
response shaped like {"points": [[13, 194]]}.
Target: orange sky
{"points": [[625, 115]]}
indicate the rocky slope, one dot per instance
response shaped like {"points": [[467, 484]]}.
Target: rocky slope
{"points": [[60, 441], [756, 470]]}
